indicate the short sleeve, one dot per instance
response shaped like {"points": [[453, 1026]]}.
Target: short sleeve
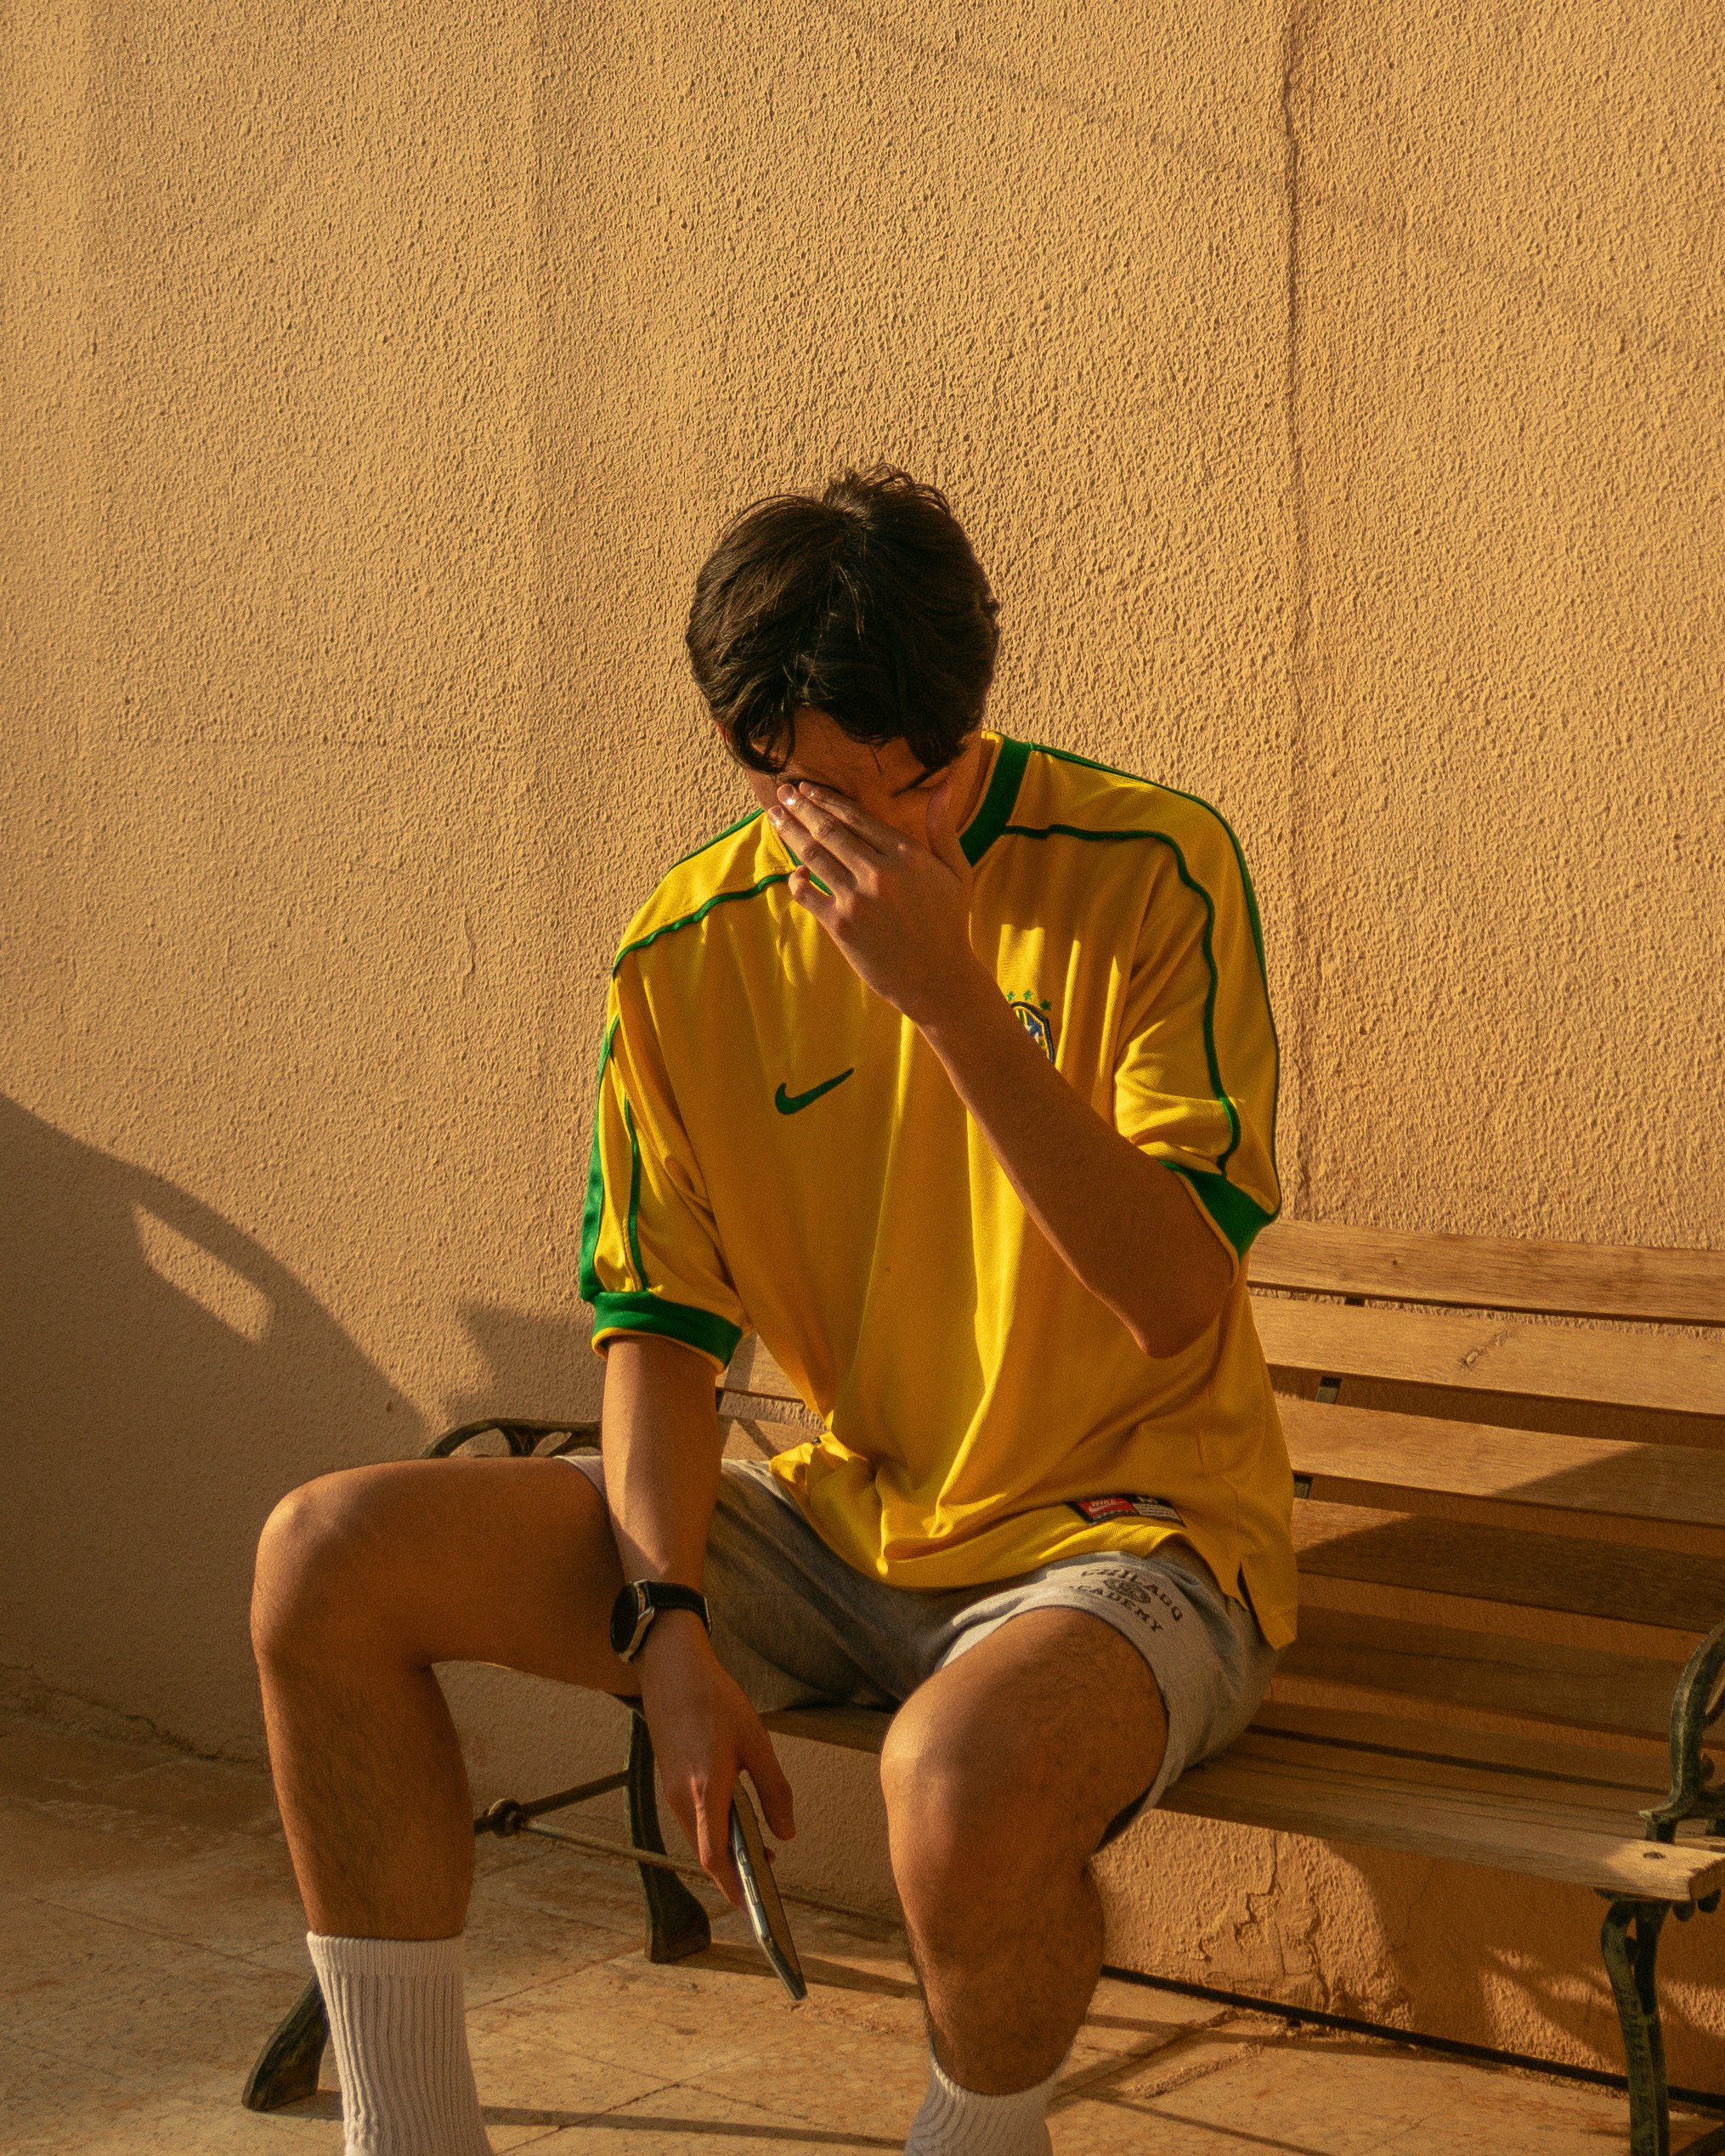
{"points": [[1195, 1081], [650, 1256]]}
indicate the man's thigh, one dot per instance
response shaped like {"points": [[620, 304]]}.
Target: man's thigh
{"points": [[504, 1561], [1022, 1750]]}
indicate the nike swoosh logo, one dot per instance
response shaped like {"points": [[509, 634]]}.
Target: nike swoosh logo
{"points": [[792, 1104]]}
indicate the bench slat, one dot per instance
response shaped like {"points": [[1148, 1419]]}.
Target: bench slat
{"points": [[1601, 1486], [1553, 1574], [1596, 1800], [1631, 1770], [1486, 1272], [1526, 1808], [1625, 1369], [1638, 1767], [1468, 1826], [1680, 1376], [1454, 1612], [1446, 1673]]}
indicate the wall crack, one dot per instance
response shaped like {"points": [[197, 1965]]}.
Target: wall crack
{"points": [[1296, 47]]}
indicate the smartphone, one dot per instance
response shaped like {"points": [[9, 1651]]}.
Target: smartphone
{"points": [[760, 1894]]}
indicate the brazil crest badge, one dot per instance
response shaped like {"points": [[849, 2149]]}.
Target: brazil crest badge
{"points": [[1033, 1016]]}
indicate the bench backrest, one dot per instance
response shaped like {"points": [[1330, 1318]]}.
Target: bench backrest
{"points": [[1510, 1478], [1512, 1461]]}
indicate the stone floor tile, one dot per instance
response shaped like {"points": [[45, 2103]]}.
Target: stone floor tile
{"points": [[880, 1995], [1483, 2113], [154, 1938], [69, 1838], [145, 2125], [515, 1946], [45, 2092], [235, 1895], [507, 2127], [589, 1889], [1130, 2022], [1239, 2092], [38, 1759], [690, 2122], [1234, 2079], [198, 1792], [861, 1943], [664, 2023], [831, 2072], [75, 1985], [544, 2065], [1123, 2112]]}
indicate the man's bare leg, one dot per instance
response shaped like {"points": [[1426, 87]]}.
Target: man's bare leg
{"points": [[365, 1579], [1001, 1775]]}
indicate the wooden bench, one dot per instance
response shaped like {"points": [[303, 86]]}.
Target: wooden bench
{"points": [[1511, 1549]]}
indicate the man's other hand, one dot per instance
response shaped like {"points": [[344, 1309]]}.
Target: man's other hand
{"points": [[703, 1733]]}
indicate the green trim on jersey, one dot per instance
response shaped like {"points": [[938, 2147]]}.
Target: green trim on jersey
{"points": [[688, 920], [718, 838], [1191, 883], [1198, 801], [593, 1211], [634, 1196], [1113, 771], [651, 1313]]}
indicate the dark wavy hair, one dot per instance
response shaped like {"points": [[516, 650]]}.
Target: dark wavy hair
{"points": [[865, 603]]}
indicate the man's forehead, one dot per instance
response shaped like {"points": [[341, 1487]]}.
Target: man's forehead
{"points": [[827, 756]]}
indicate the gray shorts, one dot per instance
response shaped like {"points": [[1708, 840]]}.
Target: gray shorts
{"points": [[797, 1626]]}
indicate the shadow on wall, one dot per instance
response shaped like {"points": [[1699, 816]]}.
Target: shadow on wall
{"points": [[165, 1381], [539, 1368]]}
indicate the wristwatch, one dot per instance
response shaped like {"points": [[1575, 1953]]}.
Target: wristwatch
{"points": [[639, 1603]]}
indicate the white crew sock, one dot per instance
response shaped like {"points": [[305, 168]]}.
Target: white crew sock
{"points": [[399, 2025], [958, 2122]]}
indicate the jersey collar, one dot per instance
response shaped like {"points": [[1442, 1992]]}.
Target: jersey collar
{"points": [[997, 805]]}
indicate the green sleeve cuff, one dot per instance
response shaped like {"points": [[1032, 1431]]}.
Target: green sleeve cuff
{"points": [[1238, 1216], [696, 1328]]}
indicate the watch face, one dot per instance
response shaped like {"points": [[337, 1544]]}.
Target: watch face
{"points": [[626, 1613]]}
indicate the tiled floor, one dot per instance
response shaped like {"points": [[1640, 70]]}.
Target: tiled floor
{"points": [[152, 1939]]}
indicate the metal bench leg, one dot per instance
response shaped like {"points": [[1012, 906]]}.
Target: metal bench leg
{"points": [[287, 2066], [1629, 1940], [676, 1924]]}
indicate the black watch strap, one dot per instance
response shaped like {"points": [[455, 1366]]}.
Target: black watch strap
{"points": [[642, 1600]]}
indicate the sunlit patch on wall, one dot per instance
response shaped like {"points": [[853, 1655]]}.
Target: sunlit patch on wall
{"points": [[200, 1275]]}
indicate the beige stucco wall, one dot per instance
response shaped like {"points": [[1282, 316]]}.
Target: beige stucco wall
{"points": [[1336, 397]]}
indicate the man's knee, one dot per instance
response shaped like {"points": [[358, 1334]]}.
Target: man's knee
{"points": [[310, 1585], [413, 1562], [976, 1820]]}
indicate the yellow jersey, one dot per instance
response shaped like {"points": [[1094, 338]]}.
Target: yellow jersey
{"points": [[776, 1149]]}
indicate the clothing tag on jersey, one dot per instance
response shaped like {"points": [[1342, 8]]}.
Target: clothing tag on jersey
{"points": [[1097, 1509]]}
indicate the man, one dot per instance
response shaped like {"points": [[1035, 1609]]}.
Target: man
{"points": [[951, 1073]]}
